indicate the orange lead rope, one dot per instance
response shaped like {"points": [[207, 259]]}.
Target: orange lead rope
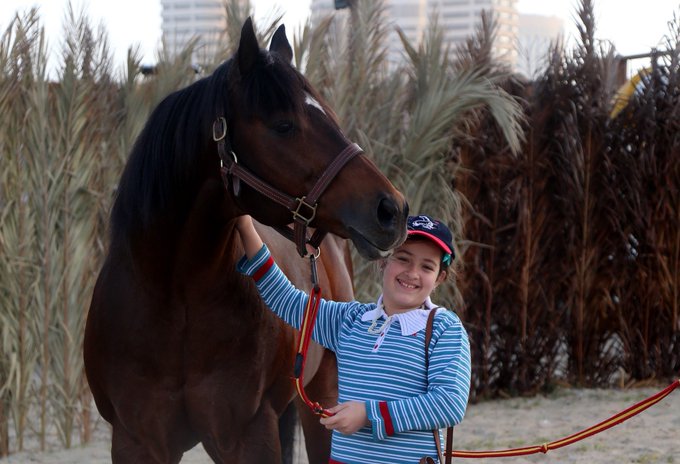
{"points": [[589, 432], [306, 328]]}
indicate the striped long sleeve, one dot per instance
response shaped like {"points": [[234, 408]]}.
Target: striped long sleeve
{"points": [[289, 303]]}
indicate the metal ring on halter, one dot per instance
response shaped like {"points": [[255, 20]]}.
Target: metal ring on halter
{"points": [[233, 155], [316, 254]]}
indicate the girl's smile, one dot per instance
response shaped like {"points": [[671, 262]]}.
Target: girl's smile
{"points": [[406, 284]]}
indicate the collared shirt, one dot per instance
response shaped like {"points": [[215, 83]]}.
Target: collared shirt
{"points": [[411, 321], [404, 400]]}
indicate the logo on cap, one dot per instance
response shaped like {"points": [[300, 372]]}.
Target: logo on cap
{"points": [[424, 222]]}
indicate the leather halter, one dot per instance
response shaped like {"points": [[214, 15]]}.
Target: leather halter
{"points": [[302, 208]]}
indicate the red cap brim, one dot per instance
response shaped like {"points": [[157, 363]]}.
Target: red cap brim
{"points": [[441, 244]]}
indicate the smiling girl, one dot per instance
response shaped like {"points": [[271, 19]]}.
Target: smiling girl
{"points": [[390, 399]]}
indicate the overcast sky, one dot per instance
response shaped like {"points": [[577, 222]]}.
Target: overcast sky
{"points": [[138, 22]]}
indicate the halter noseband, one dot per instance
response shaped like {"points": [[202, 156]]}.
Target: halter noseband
{"points": [[302, 208]]}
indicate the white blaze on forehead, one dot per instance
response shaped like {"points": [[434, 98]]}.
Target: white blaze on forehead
{"points": [[312, 101]]}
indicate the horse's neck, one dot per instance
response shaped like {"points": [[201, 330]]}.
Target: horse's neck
{"points": [[202, 239], [206, 232]]}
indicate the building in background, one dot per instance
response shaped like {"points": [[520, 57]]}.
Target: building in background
{"points": [[522, 41], [536, 33], [457, 18], [182, 20]]}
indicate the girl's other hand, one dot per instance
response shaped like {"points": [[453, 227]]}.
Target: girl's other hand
{"points": [[348, 417]]}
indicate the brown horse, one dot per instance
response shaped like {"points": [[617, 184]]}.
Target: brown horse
{"points": [[179, 348]]}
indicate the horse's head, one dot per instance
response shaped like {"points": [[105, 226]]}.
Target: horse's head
{"points": [[278, 129]]}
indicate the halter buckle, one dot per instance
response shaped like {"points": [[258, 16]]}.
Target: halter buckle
{"points": [[219, 129], [299, 216]]}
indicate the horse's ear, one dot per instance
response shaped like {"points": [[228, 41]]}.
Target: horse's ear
{"points": [[248, 48], [280, 44]]}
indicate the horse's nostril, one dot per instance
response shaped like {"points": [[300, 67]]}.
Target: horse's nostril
{"points": [[387, 212]]}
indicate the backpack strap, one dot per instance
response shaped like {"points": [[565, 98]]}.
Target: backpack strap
{"points": [[449, 430]]}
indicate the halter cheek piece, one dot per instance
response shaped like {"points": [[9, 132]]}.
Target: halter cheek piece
{"points": [[302, 208]]}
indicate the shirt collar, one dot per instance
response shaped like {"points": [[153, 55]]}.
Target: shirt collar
{"points": [[411, 321]]}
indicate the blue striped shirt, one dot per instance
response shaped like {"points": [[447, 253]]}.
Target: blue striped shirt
{"points": [[404, 402]]}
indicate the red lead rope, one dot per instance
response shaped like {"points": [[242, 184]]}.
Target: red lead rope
{"points": [[589, 432], [306, 328]]}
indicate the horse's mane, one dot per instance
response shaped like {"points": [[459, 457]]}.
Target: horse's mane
{"points": [[160, 159], [167, 162]]}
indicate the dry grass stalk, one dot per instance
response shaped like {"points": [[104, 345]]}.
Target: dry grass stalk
{"points": [[646, 296], [63, 144], [21, 56]]}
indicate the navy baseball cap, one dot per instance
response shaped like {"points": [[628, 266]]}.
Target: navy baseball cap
{"points": [[433, 230]]}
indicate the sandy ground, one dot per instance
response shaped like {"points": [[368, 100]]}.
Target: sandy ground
{"points": [[651, 437]]}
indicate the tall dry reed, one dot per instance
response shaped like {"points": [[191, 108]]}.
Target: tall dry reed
{"points": [[555, 269], [65, 136]]}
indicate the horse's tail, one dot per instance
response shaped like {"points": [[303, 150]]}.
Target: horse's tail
{"points": [[287, 425]]}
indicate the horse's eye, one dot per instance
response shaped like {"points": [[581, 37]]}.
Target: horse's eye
{"points": [[284, 127]]}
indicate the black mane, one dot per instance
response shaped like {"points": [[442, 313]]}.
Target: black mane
{"points": [[167, 163]]}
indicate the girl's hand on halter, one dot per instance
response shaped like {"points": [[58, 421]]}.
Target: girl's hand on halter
{"points": [[252, 243], [348, 417]]}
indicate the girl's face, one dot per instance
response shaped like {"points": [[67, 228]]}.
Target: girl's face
{"points": [[410, 275]]}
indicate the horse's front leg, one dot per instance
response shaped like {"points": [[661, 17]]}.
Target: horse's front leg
{"points": [[127, 448], [253, 442]]}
